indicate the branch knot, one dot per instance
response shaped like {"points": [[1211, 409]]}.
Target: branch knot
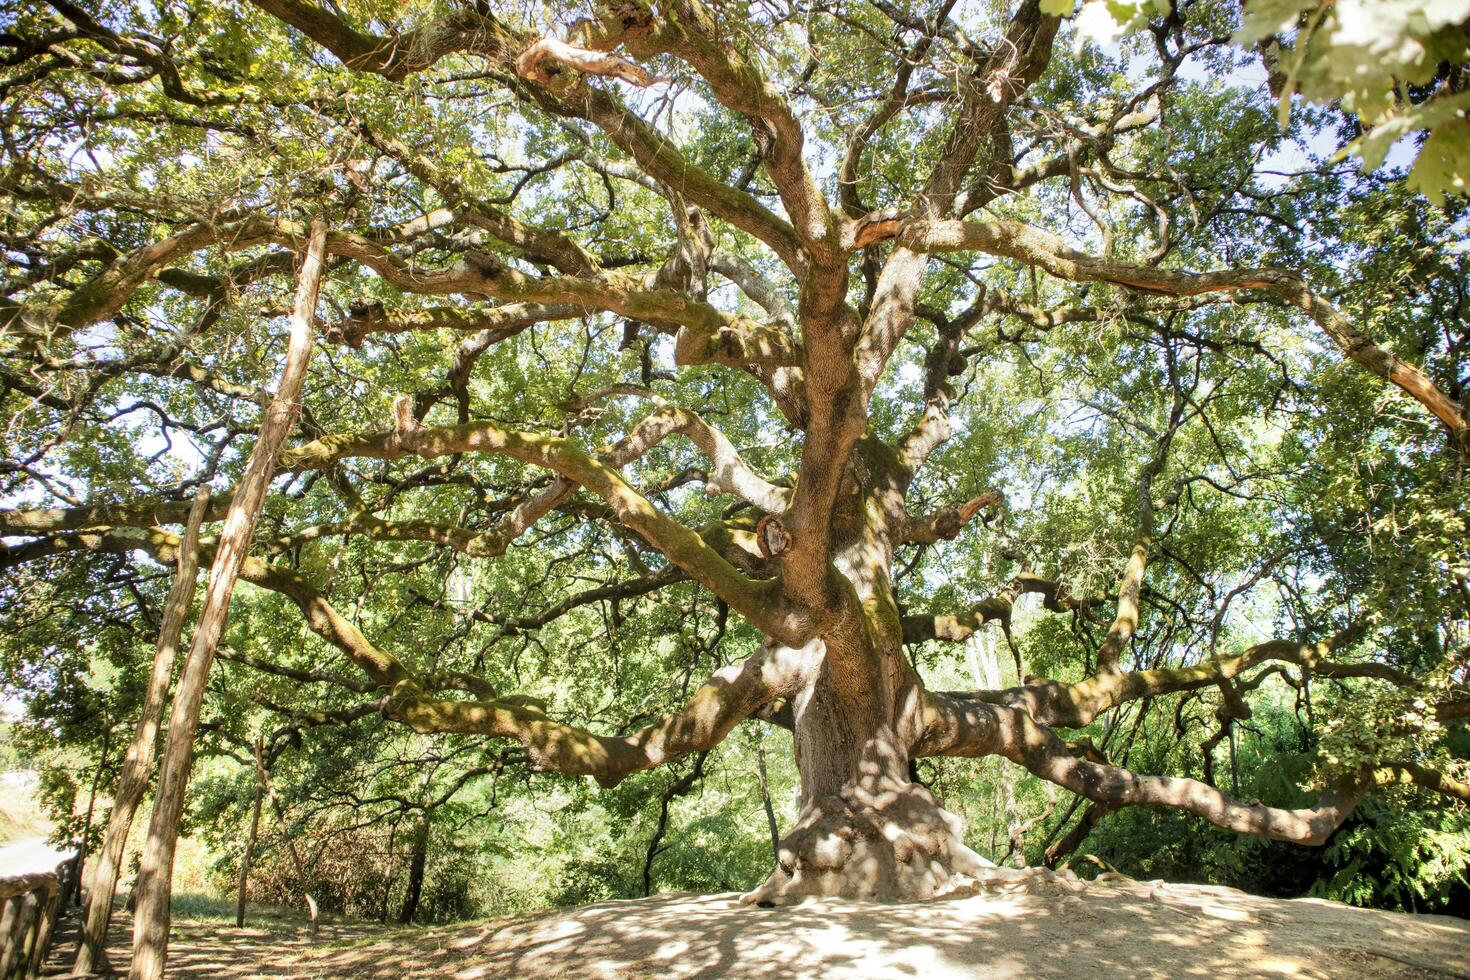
{"points": [[772, 537]]}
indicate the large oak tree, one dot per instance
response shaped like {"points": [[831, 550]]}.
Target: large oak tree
{"points": [[945, 317]]}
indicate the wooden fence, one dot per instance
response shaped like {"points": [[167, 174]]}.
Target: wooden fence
{"points": [[29, 906]]}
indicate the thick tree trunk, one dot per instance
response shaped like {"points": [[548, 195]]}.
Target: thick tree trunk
{"points": [[155, 880], [138, 764], [865, 829]]}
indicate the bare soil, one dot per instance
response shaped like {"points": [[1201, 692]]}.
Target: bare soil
{"points": [[1019, 925]]}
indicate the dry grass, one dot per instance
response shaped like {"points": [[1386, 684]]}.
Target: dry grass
{"points": [[20, 817]]}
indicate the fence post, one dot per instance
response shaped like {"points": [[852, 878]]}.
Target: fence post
{"points": [[18, 947], [30, 903], [45, 928], [9, 919]]}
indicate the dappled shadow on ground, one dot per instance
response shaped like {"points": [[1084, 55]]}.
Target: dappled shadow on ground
{"points": [[1042, 926], [270, 945]]}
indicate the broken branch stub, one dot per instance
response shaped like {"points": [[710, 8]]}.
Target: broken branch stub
{"points": [[532, 63]]}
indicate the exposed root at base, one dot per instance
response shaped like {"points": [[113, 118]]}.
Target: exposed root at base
{"points": [[1028, 881], [892, 843]]}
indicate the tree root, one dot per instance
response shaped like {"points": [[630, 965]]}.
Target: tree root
{"points": [[892, 843]]}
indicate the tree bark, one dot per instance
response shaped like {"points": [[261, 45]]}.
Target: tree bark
{"points": [[138, 763], [155, 885]]}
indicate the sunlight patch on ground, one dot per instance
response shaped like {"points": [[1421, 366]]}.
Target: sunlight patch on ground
{"points": [[1028, 924]]}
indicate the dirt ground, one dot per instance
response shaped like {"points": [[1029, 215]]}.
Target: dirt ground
{"points": [[1041, 925]]}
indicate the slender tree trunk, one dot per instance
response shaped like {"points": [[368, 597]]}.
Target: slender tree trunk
{"points": [[155, 885], [138, 763], [130, 904], [92, 793], [264, 775], [760, 768], [1015, 848], [1013, 819], [680, 787], [1234, 769], [995, 810], [1075, 837], [248, 857], [392, 874], [416, 870]]}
